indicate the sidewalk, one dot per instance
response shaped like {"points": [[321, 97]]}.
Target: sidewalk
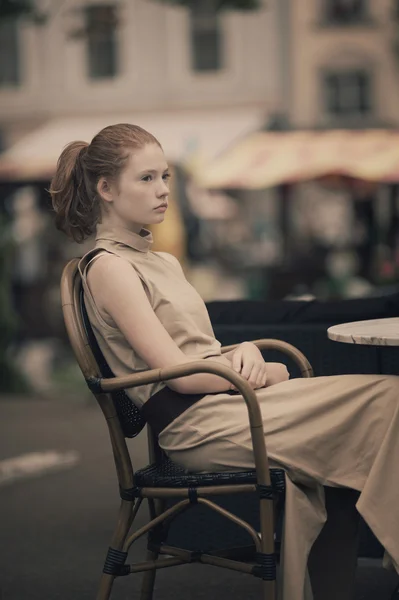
{"points": [[56, 526]]}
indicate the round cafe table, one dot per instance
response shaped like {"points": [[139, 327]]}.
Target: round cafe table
{"points": [[375, 332]]}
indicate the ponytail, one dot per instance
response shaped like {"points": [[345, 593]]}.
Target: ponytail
{"points": [[75, 205], [79, 168]]}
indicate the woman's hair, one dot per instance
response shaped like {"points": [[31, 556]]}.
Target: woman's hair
{"points": [[73, 188]]}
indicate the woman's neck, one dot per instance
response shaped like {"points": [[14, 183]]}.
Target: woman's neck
{"points": [[112, 223]]}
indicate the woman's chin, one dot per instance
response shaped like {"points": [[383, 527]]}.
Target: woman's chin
{"points": [[160, 216]]}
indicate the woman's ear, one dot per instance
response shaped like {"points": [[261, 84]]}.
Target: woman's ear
{"points": [[104, 190]]}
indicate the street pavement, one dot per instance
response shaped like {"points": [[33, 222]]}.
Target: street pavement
{"points": [[56, 521]]}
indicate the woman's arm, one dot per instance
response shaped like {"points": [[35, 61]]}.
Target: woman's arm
{"points": [[276, 373], [247, 360], [141, 327]]}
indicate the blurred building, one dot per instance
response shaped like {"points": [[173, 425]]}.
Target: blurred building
{"points": [[342, 74], [344, 64], [199, 81], [196, 79]]}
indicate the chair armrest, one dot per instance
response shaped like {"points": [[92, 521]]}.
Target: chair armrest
{"points": [[113, 384], [268, 344], [98, 385]]}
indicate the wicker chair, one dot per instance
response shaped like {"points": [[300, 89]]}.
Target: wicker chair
{"points": [[163, 481]]}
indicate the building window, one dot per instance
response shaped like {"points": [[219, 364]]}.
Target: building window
{"points": [[348, 93], [206, 38], [102, 42], [345, 12], [9, 53]]}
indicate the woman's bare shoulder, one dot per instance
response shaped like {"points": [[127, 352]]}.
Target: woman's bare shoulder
{"points": [[106, 262], [109, 268]]}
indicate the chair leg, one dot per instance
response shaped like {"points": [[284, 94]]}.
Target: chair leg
{"points": [[267, 532], [105, 588], [155, 507], [147, 587], [124, 522], [269, 590]]}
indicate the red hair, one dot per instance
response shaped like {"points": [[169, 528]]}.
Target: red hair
{"points": [[73, 188]]}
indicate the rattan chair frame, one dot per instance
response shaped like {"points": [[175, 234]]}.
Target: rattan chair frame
{"points": [[130, 503]]}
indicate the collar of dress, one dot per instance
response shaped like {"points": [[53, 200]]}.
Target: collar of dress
{"points": [[138, 241]]}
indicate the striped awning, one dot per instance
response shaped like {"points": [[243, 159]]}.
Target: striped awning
{"points": [[265, 159]]}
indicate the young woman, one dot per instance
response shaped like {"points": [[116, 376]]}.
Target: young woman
{"points": [[340, 431]]}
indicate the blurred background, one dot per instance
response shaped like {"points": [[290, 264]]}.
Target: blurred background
{"points": [[279, 119]]}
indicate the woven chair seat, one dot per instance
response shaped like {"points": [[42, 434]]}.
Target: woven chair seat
{"points": [[169, 474]]}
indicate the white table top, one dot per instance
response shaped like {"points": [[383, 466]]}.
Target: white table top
{"points": [[376, 332]]}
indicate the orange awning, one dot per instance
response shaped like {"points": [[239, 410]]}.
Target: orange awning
{"points": [[265, 159]]}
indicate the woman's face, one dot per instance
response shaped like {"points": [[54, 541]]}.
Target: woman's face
{"points": [[142, 187]]}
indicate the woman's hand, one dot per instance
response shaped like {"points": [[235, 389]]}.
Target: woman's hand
{"points": [[247, 360]]}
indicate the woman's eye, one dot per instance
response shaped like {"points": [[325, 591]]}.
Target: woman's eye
{"points": [[165, 177]]}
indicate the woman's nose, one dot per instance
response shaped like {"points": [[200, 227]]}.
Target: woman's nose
{"points": [[163, 189]]}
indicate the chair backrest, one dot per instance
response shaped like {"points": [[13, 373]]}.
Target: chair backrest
{"points": [[87, 351]]}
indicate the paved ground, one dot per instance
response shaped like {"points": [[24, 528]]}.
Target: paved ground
{"points": [[55, 527]]}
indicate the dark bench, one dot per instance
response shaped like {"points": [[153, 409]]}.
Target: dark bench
{"points": [[304, 324]]}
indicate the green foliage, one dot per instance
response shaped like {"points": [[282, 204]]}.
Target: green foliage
{"points": [[10, 380], [7, 316], [67, 380], [15, 8]]}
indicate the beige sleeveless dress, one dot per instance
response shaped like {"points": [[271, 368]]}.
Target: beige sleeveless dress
{"points": [[338, 431]]}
